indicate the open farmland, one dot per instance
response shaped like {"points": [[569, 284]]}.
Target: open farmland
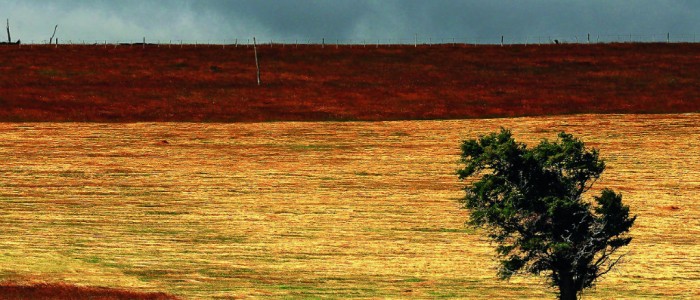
{"points": [[304, 209], [216, 83]]}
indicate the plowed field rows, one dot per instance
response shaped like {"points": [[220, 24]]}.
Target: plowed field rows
{"points": [[340, 209]]}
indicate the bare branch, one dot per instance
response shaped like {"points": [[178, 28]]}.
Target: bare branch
{"points": [[9, 39], [53, 35], [610, 266]]}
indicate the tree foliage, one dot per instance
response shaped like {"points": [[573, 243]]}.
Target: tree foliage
{"points": [[531, 202]]}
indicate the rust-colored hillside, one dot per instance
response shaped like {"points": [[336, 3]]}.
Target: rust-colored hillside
{"points": [[216, 83]]}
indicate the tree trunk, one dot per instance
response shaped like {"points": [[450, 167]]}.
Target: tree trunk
{"points": [[567, 290]]}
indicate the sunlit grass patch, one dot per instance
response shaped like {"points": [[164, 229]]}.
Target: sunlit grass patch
{"points": [[312, 147], [344, 215], [166, 213]]}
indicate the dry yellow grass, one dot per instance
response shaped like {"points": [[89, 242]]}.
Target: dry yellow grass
{"points": [[287, 210]]}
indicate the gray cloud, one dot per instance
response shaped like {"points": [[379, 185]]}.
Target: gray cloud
{"points": [[216, 20]]}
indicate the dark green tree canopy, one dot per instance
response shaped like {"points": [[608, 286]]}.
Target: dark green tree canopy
{"points": [[531, 202]]}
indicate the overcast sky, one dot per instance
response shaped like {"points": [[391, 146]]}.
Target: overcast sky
{"points": [[471, 20]]}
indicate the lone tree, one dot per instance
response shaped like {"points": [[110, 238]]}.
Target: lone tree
{"points": [[531, 203]]}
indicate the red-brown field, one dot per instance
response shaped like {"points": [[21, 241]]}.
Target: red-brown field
{"points": [[217, 83]]}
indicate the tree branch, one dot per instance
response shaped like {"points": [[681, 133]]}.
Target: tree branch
{"points": [[54, 34], [610, 266]]}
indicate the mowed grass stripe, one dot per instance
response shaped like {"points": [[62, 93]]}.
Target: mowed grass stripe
{"points": [[329, 209]]}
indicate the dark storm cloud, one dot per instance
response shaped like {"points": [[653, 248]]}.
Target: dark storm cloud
{"points": [[303, 18], [216, 20]]}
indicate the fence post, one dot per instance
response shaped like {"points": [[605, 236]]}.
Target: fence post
{"points": [[668, 37], [501, 41], [415, 42], [323, 43], [589, 38], [257, 65]]}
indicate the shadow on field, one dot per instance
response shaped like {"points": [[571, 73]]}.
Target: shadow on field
{"points": [[44, 291]]}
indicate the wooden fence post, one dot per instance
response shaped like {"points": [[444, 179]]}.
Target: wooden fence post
{"points": [[257, 65]]}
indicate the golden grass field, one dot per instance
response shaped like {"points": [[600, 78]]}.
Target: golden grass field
{"points": [[318, 210]]}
